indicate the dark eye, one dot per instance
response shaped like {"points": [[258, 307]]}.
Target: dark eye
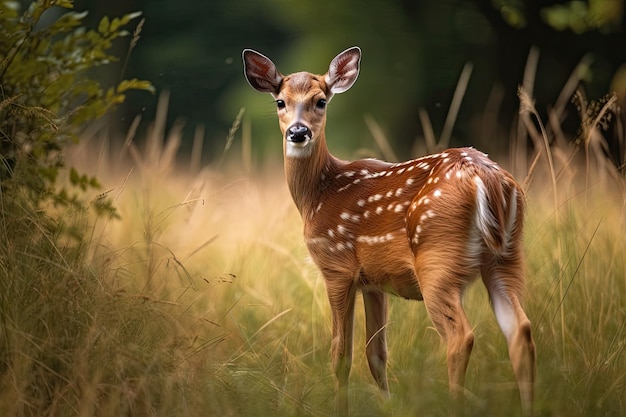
{"points": [[321, 103], [280, 104]]}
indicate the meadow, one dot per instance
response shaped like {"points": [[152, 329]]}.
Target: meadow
{"points": [[200, 299]]}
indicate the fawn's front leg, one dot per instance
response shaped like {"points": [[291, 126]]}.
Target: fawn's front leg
{"points": [[341, 294], [376, 348]]}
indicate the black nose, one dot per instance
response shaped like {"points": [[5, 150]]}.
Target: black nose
{"points": [[298, 133]]}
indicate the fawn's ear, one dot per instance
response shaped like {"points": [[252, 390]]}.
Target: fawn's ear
{"points": [[261, 72], [344, 70]]}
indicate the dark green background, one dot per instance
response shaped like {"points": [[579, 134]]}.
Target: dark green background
{"points": [[413, 54]]}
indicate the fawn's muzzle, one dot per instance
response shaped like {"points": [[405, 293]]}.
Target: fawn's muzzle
{"points": [[298, 133]]}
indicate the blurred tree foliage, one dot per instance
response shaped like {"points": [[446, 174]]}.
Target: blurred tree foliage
{"points": [[413, 54], [47, 95], [563, 31], [193, 50]]}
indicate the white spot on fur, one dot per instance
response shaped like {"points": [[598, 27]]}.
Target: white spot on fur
{"points": [[437, 193], [373, 240], [344, 188]]}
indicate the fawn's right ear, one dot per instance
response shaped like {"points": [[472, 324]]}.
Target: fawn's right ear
{"points": [[261, 72]]}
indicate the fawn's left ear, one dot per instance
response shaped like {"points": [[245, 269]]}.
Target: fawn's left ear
{"points": [[261, 72], [344, 70]]}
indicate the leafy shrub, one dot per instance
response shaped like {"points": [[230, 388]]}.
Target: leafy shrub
{"points": [[46, 93], [49, 297]]}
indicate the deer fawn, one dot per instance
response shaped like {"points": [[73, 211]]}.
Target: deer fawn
{"points": [[421, 229]]}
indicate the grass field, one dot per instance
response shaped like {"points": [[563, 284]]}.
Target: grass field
{"points": [[201, 301]]}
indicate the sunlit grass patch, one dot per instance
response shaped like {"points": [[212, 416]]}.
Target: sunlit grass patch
{"points": [[579, 314]]}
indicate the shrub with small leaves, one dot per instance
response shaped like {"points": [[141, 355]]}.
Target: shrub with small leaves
{"points": [[46, 93], [50, 296]]}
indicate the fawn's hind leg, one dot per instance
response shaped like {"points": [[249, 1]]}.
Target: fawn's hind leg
{"points": [[503, 281]]}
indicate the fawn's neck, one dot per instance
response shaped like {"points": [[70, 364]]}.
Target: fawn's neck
{"points": [[308, 176]]}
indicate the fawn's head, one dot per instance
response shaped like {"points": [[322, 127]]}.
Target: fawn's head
{"points": [[301, 97]]}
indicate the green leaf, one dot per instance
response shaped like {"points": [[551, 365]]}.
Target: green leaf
{"points": [[94, 183], [131, 16], [104, 25], [115, 24], [74, 176], [68, 21], [67, 4], [135, 84]]}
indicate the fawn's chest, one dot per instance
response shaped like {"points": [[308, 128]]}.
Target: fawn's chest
{"points": [[358, 225]]}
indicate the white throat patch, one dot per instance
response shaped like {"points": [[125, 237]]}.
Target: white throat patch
{"points": [[298, 149]]}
